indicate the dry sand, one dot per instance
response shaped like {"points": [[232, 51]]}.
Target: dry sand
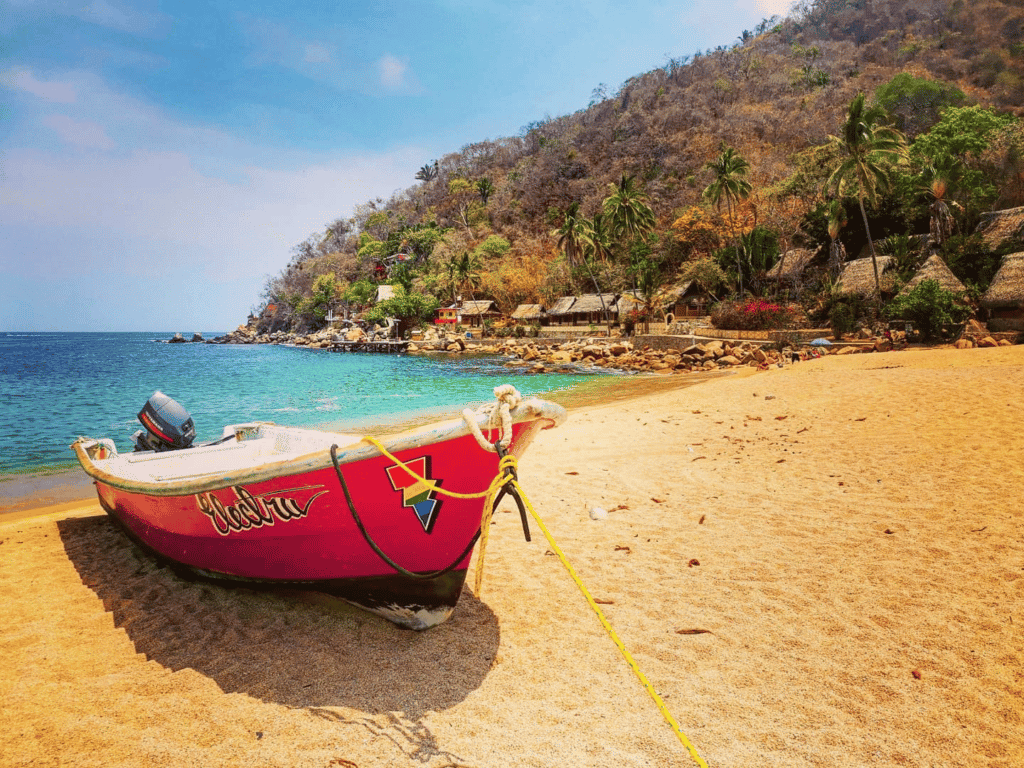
{"points": [[849, 531]]}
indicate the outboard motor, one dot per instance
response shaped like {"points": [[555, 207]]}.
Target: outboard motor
{"points": [[169, 426]]}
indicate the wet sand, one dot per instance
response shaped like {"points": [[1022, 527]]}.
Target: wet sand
{"points": [[847, 533]]}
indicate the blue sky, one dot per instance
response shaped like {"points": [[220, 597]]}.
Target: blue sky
{"points": [[158, 161]]}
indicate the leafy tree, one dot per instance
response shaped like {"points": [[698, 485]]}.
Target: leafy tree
{"points": [[494, 247], [360, 292], [706, 273], [313, 308], [915, 103], [729, 185], [698, 231], [961, 133], [869, 150], [407, 308], [485, 188], [930, 307]]}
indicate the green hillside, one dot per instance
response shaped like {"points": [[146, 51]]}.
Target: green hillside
{"points": [[711, 167]]}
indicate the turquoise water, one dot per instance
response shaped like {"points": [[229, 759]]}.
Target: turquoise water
{"points": [[57, 386]]}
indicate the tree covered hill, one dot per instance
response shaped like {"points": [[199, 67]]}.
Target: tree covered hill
{"points": [[527, 218]]}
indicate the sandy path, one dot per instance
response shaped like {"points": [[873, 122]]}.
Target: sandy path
{"points": [[859, 570]]}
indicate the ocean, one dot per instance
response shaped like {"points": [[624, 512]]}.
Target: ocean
{"points": [[57, 386]]}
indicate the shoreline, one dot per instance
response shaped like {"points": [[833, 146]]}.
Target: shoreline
{"points": [[822, 564], [21, 493]]}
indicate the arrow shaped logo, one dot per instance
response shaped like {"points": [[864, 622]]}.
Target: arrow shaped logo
{"points": [[415, 494]]}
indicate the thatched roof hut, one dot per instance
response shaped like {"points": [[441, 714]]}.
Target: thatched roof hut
{"points": [[858, 276], [589, 303], [529, 313], [562, 306], [1007, 288], [1000, 228], [478, 308], [791, 265], [934, 268]]}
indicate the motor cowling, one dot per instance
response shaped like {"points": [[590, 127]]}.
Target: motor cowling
{"points": [[169, 427]]}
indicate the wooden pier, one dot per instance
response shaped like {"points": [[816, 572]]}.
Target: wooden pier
{"points": [[385, 346]]}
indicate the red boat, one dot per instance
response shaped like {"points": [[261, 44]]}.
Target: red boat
{"points": [[385, 529]]}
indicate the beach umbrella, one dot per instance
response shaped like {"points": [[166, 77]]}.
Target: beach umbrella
{"points": [[821, 343]]}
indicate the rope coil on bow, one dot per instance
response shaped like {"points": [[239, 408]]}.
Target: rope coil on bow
{"points": [[498, 417]]}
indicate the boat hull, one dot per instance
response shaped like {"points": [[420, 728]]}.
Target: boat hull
{"points": [[295, 528]]}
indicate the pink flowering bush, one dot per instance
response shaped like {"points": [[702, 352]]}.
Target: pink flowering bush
{"points": [[751, 315]]}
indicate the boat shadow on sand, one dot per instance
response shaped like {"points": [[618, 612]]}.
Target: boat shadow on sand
{"points": [[300, 649]]}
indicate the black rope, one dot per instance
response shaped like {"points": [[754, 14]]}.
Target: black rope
{"points": [[511, 490], [378, 550]]}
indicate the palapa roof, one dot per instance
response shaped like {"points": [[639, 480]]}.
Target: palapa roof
{"points": [[997, 228], [591, 302], [934, 268], [858, 275], [528, 312], [1007, 288], [794, 263], [479, 307], [562, 306], [628, 301]]}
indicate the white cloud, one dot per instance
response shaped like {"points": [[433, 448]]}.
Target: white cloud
{"points": [[81, 133], [317, 54], [23, 80], [131, 20], [769, 8], [392, 71]]}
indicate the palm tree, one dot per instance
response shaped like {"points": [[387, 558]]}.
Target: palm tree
{"points": [[868, 150], [936, 179], [729, 185], [627, 211], [599, 238], [463, 272], [835, 220], [428, 172], [574, 239]]}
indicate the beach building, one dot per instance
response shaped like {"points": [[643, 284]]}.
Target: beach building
{"points": [[1004, 299], [474, 313], [586, 308], [789, 270], [529, 313], [858, 276], [446, 315], [934, 268], [559, 311], [1000, 229]]}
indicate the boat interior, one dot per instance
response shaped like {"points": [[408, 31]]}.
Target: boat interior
{"points": [[241, 446]]}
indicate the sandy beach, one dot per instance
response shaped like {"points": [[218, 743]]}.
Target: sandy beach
{"points": [[847, 534]]}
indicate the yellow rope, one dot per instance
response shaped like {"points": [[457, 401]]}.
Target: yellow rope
{"points": [[503, 476], [505, 468], [659, 702]]}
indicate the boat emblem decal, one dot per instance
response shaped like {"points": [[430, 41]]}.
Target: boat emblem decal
{"points": [[249, 510], [417, 494]]}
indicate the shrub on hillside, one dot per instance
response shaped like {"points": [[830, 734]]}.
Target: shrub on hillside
{"points": [[930, 307], [750, 315]]}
